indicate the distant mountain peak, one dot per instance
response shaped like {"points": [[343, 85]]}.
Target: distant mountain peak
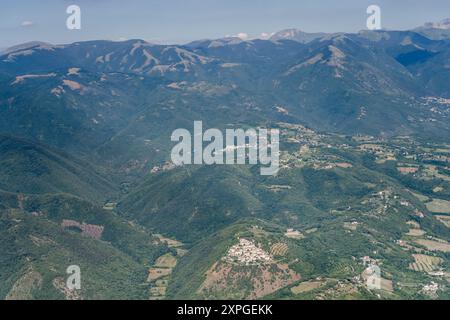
{"points": [[288, 33], [435, 30], [443, 24], [27, 46], [230, 40], [296, 35], [215, 43], [336, 38]]}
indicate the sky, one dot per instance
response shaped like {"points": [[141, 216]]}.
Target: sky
{"points": [[181, 21]]}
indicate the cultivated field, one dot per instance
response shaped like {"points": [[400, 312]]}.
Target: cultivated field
{"points": [[279, 249], [158, 291], [415, 233], [424, 263], [439, 206], [166, 261], [419, 196], [387, 285], [444, 219], [170, 242], [156, 273], [306, 287], [434, 245]]}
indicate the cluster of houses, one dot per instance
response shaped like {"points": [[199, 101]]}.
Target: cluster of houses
{"points": [[430, 289], [165, 167], [368, 261], [247, 253]]}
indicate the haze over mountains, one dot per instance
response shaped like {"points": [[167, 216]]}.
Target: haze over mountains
{"points": [[85, 145], [436, 31], [316, 83]]}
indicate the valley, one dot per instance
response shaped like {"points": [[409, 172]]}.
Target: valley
{"points": [[86, 176], [397, 217]]}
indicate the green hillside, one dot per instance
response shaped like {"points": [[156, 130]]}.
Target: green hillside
{"points": [[86, 176], [27, 167], [36, 253]]}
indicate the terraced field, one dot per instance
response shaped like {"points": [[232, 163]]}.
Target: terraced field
{"points": [[439, 206], [434, 245], [159, 274], [425, 263], [306, 286], [444, 219], [279, 249]]}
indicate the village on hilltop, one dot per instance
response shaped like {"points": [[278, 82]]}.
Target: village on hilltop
{"points": [[247, 253]]}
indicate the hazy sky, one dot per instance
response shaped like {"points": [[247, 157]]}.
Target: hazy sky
{"points": [[180, 21]]}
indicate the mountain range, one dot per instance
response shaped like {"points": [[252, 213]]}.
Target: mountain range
{"points": [[86, 177]]}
